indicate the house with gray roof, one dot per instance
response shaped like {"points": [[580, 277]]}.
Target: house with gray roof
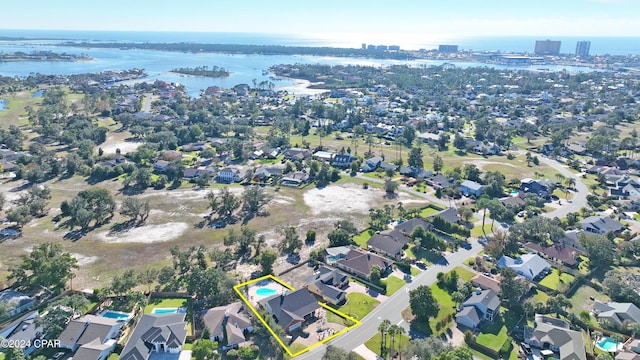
{"points": [[228, 322], [23, 331], [530, 266], [468, 188], [555, 335], [617, 314], [156, 333], [291, 310], [16, 301], [95, 350], [482, 305], [600, 225], [448, 214], [87, 329], [328, 284], [408, 226]]}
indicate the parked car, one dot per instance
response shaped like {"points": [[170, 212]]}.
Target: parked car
{"points": [[526, 348]]}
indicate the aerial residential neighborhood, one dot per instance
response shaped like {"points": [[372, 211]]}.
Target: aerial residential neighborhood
{"points": [[317, 202]]}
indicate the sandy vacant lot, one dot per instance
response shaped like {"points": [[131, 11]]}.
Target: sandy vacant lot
{"points": [[146, 234], [347, 198], [109, 147]]}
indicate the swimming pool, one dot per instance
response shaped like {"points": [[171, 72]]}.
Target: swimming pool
{"points": [[118, 315], [515, 193], [266, 291], [167, 310], [608, 344]]}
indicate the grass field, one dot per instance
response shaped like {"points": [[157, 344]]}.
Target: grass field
{"points": [[446, 310], [494, 334], [464, 274], [400, 341], [358, 306], [165, 303], [362, 238], [477, 230], [557, 282], [393, 284], [428, 211]]}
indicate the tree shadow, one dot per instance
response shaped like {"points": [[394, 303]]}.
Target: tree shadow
{"points": [[75, 235], [123, 227], [132, 190]]}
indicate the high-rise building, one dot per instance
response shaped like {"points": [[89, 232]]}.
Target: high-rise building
{"points": [[582, 48], [448, 48], [547, 47], [364, 46]]}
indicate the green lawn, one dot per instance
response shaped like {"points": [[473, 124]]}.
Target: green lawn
{"points": [[494, 334], [581, 300], [393, 284], [165, 303], [477, 230], [539, 296], [358, 306], [113, 356], [362, 238], [555, 282], [295, 347], [429, 257], [428, 211], [415, 271], [464, 274], [447, 310], [373, 344]]}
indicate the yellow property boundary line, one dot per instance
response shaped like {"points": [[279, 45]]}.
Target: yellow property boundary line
{"points": [[255, 311]]}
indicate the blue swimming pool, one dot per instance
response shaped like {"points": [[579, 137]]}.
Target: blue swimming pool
{"points": [[118, 315], [266, 292], [515, 193], [608, 344], [167, 310]]}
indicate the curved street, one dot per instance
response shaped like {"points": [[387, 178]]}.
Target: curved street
{"points": [[391, 309]]}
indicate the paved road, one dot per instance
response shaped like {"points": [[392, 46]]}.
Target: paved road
{"points": [[392, 307], [579, 199]]}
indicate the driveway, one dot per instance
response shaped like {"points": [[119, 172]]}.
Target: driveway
{"points": [[391, 309], [359, 288]]}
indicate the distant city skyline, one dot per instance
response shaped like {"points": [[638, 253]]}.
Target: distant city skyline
{"points": [[359, 21]]}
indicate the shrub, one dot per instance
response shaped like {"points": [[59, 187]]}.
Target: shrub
{"points": [[404, 266], [506, 346]]}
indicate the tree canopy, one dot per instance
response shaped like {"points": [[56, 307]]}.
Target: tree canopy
{"points": [[47, 265]]}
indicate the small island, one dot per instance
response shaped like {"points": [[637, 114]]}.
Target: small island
{"points": [[214, 72], [42, 56]]}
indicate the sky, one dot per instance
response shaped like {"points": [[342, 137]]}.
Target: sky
{"points": [[392, 19]]}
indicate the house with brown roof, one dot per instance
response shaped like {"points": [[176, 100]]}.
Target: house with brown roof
{"points": [[228, 324], [389, 243], [486, 283], [360, 262]]}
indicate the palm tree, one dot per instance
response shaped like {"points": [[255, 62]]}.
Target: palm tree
{"points": [[483, 203], [527, 308], [259, 243], [560, 178], [383, 328], [392, 332], [370, 141], [570, 182], [400, 331], [457, 298]]}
